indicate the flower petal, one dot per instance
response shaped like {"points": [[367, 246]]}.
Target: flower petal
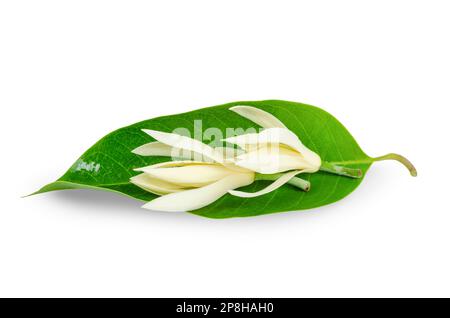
{"points": [[157, 148], [179, 163], [192, 175], [153, 185], [271, 159], [228, 153], [194, 199], [271, 135], [277, 136], [186, 143], [273, 186], [258, 116]]}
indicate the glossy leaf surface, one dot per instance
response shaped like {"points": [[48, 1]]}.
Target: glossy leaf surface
{"points": [[109, 164]]}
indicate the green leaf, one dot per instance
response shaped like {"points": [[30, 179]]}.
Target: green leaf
{"points": [[109, 164]]}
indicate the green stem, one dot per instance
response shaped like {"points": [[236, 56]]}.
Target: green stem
{"points": [[331, 167], [401, 159], [390, 156], [295, 181]]}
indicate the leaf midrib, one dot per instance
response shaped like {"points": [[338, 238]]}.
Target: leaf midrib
{"points": [[98, 185], [350, 162]]}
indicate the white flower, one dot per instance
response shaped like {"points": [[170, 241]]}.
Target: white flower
{"points": [[275, 149], [192, 184], [189, 185]]}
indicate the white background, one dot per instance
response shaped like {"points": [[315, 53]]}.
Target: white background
{"points": [[72, 71]]}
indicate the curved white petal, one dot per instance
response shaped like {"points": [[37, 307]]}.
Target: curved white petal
{"points": [[198, 198], [273, 186], [271, 159], [276, 136], [157, 148], [179, 163], [228, 153], [313, 159], [258, 116], [183, 142], [153, 185], [190, 175], [270, 135]]}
